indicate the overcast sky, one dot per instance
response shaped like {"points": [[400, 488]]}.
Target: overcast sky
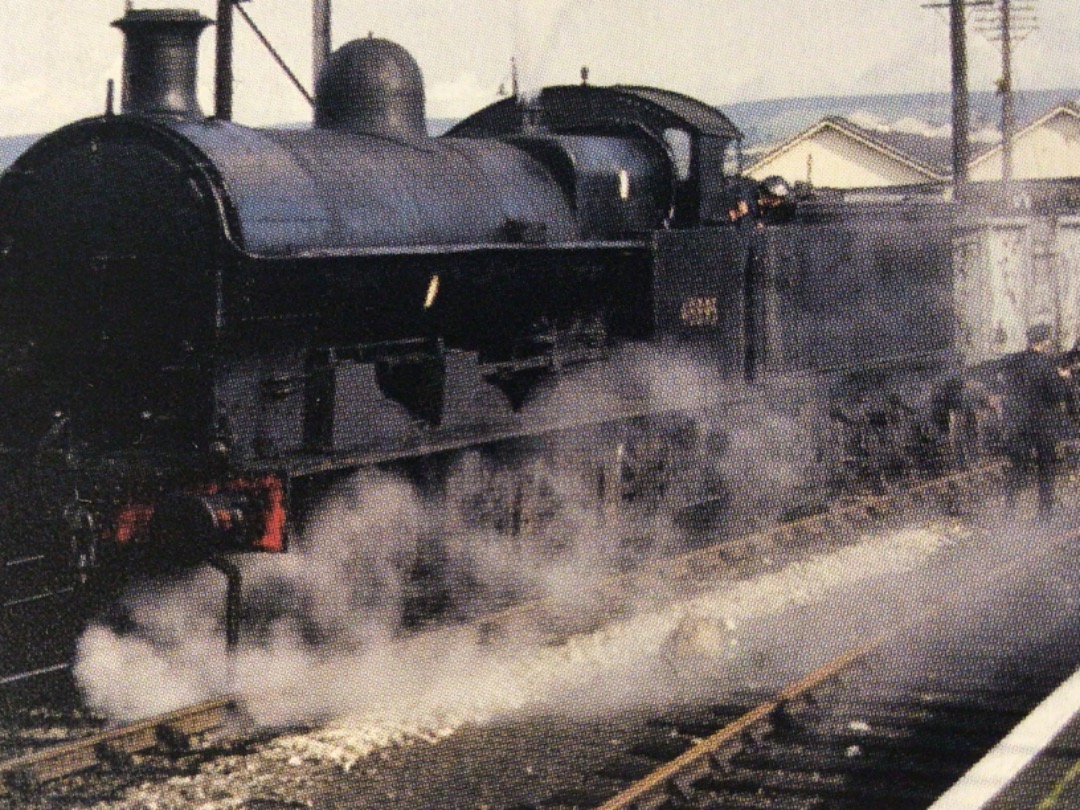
{"points": [[56, 55]]}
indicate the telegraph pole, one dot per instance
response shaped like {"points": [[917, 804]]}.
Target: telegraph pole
{"points": [[223, 68], [321, 38], [961, 112], [1007, 22], [961, 117], [1008, 118]]}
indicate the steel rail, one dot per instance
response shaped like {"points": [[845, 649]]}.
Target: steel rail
{"points": [[657, 787], [700, 759], [172, 731]]}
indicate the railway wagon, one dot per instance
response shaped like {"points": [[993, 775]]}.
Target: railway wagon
{"points": [[206, 326]]}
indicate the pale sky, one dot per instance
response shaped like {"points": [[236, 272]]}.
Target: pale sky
{"points": [[56, 55]]}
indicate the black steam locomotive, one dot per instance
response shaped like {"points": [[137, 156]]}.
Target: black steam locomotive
{"points": [[204, 326]]}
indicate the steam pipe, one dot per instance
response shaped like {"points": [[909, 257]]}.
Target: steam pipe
{"points": [[234, 604]]}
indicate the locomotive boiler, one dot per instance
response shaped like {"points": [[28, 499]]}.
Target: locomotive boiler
{"points": [[205, 325]]}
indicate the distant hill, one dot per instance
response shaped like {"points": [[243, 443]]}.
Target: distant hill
{"points": [[775, 120], [772, 121], [12, 146]]}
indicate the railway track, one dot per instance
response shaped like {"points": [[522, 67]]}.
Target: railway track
{"points": [[176, 732], [173, 732], [814, 746], [825, 740]]}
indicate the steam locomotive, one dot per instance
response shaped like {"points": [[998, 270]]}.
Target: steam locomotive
{"points": [[204, 326]]}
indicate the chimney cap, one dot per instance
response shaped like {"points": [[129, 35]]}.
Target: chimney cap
{"points": [[170, 16], [160, 61]]}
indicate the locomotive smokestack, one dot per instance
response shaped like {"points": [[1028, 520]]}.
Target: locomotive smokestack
{"points": [[161, 49]]}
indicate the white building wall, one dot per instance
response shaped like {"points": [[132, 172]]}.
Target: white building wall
{"points": [[832, 159], [1051, 150], [992, 283], [1066, 256], [1011, 273]]}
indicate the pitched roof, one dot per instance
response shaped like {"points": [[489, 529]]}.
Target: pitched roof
{"points": [[935, 154], [929, 156], [1065, 107]]}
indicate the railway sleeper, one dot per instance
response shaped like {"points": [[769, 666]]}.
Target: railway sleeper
{"points": [[693, 727], [888, 726], [626, 769], [741, 780], [809, 757], [916, 740], [740, 704], [118, 754], [826, 772], [575, 797], [755, 800], [827, 797], [854, 787], [919, 746], [961, 693], [662, 748], [888, 731], [870, 709], [173, 738], [952, 710]]}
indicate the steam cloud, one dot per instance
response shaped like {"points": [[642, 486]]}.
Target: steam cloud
{"points": [[326, 626]]}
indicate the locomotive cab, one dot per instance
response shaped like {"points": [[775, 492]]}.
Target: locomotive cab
{"points": [[693, 139]]}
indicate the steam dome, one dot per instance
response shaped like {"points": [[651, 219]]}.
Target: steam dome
{"points": [[372, 87]]}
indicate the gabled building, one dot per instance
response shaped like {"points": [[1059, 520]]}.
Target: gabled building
{"points": [[1047, 148], [837, 153]]}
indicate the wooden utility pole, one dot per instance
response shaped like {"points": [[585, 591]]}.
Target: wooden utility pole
{"points": [[321, 44], [1007, 22], [961, 114], [223, 68], [961, 118], [1008, 117]]}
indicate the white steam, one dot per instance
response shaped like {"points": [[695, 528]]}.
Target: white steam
{"points": [[327, 627], [539, 31]]}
